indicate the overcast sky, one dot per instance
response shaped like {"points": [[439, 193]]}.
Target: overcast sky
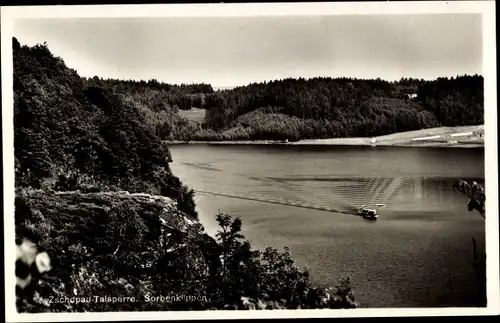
{"points": [[236, 51]]}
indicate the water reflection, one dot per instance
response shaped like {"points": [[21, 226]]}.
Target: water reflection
{"points": [[340, 194], [417, 253]]}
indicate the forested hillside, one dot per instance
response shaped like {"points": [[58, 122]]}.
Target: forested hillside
{"points": [[95, 191], [296, 109], [159, 103], [328, 108]]}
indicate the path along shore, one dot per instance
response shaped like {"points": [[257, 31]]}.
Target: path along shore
{"points": [[460, 137]]}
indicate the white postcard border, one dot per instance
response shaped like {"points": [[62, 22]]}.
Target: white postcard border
{"points": [[485, 8]]}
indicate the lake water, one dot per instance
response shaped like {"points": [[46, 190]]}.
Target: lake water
{"points": [[417, 254]]}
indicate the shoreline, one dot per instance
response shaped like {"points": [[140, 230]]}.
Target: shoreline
{"points": [[470, 137], [410, 145]]}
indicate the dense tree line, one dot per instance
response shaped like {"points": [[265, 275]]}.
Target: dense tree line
{"points": [[455, 102], [83, 147], [184, 96], [296, 109], [159, 103], [344, 107]]}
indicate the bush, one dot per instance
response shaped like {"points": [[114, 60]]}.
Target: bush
{"points": [[269, 279]]}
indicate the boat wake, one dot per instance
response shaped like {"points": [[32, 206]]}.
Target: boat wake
{"points": [[341, 210], [344, 196]]}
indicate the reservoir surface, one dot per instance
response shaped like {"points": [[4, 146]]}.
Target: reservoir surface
{"points": [[417, 254]]}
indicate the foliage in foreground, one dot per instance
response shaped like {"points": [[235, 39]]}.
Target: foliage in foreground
{"points": [[126, 246], [477, 198], [94, 190]]}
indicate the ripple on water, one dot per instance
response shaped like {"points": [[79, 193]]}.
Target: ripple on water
{"points": [[417, 254]]}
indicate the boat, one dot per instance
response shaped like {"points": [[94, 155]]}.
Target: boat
{"points": [[369, 214]]}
